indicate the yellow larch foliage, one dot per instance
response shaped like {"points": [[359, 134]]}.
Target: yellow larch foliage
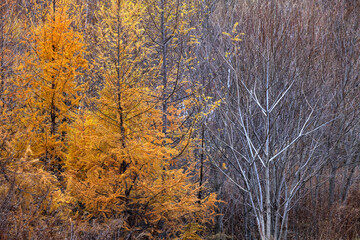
{"points": [[48, 84], [136, 182], [46, 91], [119, 163]]}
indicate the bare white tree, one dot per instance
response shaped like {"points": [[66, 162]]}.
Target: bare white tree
{"points": [[270, 122]]}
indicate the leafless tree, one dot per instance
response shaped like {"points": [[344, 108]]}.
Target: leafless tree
{"points": [[276, 91]]}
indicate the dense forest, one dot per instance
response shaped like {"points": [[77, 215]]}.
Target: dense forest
{"points": [[179, 119]]}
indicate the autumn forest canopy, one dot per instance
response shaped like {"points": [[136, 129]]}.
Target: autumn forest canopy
{"points": [[179, 119]]}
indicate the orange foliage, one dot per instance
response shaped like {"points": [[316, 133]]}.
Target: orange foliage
{"points": [[49, 86], [119, 164]]}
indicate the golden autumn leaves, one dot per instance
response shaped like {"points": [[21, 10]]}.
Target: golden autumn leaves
{"points": [[104, 157]]}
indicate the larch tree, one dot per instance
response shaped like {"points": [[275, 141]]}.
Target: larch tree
{"points": [[48, 84], [38, 94], [168, 32], [119, 169], [45, 88], [169, 27]]}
